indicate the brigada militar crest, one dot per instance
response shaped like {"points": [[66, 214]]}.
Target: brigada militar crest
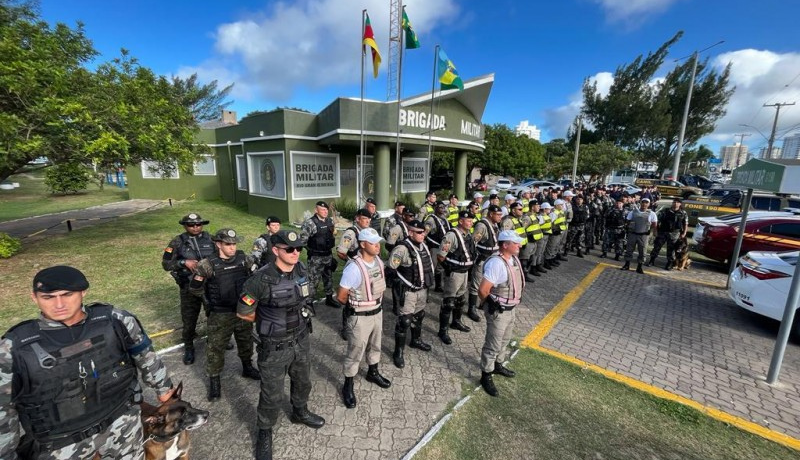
{"points": [[268, 178]]}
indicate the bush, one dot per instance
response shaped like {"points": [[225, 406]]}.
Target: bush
{"points": [[408, 200], [9, 245], [346, 208], [67, 178]]}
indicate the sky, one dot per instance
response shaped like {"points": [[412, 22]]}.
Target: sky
{"points": [[306, 53]]}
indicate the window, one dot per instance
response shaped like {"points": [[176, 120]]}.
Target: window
{"points": [[241, 172], [788, 230], [206, 167], [152, 170], [267, 174], [765, 203]]}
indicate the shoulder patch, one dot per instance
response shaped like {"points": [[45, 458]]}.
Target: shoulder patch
{"points": [[249, 301]]}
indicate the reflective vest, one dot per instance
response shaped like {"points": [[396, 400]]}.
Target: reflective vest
{"points": [[426, 210], [461, 260], [561, 220], [224, 288], [280, 316], [434, 238], [452, 216], [321, 243], [488, 245], [525, 205], [72, 378], [534, 230], [419, 274], [369, 295], [547, 224], [519, 228], [509, 293]]}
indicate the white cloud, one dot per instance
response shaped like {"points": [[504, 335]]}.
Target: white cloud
{"points": [[633, 11], [225, 76], [311, 43], [558, 120]]}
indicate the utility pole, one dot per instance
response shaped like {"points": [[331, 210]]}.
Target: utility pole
{"points": [[741, 137], [577, 149], [777, 106]]}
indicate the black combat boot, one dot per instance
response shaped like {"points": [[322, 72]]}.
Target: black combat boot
{"points": [[264, 445], [652, 261], [188, 355], [375, 377], [438, 282], [580, 254], [562, 256], [531, 273], [499, 369], [541, 269], [488, 384], [399, 348], [306, 417], [416, 332], [616, 257], [348, 396], [639, 268], [547, 265], [444, 320], [331, 302], [669, 265], [214, 388], [456, 323], [603, 255], [472, 311], [627, 266], [554, 261], [250, 371]]}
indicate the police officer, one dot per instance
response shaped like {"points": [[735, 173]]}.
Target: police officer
{"points": [[349, 247], [615, 229], [392, 220], [262, 246], [457, 254], [413, 262], [672, 226], [220, 278], [494, 199], [361, 289], [375, 218], [435, 228], [477, 197], [546, 226], [485, 238], [500, 292], [559, 231], [566, 209], [319, 232], [180, 259], [279, 299], [509, 200], [575, 233], [535, 236], [595, 206], [518, 222], [428, 206], [68, 379], [475, 208], [640, 223], [452, 210], [400, 231]]}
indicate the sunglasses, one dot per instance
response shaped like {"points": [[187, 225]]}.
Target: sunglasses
{"points": [[194, 225], [289, 249]]}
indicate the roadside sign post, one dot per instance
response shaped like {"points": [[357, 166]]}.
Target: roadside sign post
{"points": [[737, 248], [786, 327]]}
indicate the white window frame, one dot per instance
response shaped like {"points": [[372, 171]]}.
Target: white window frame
{"points": [[146, 174], [213, 160], [241, 160], [251, 183], [338, 173]]}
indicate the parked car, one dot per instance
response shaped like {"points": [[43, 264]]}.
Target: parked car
{"points": [[761, 282], [728, 200], [521, 187], [628, 188], [479, 185], [763, 232], [670, 188], [503, 184], [701, 182]]}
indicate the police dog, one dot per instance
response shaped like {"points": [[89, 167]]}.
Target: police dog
{"points": [[166, 427], [682, 260]]}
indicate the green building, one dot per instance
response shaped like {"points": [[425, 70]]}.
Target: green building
{"points": [[282, 162]]}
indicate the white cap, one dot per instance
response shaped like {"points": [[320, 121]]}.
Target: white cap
{"points": [[493, 191], [546, 205], [558, 202], [509, 235], [477, 195], [510, 197], [646, 199], [369, 235], [568, 194]]}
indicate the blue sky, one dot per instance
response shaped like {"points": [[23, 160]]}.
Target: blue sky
{"points": [[306, 53]]}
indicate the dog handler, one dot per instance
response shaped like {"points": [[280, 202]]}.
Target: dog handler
{"points": [[69, 377]]}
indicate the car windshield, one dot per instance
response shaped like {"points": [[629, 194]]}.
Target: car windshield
{"points": [[789, 257]]}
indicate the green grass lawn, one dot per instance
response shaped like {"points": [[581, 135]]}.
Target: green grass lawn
{"points": [[33, 199], [556, 410]]}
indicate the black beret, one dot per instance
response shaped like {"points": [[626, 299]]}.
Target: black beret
{"points": [[60, 278], [515, 205], [452, 195], [430, 192], [408, 212], [398, 203], [417, 225], [466, 215], [679, 200], [273, 220], [494, 208], [288, 237], [371, 200], [363, 213], [322, 204], [493, 196]]}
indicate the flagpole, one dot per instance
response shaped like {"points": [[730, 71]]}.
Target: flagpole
{"points": [[430, 118], [397, 172], [361, 142]]}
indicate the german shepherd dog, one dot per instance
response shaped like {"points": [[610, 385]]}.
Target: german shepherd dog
{"points": [[166, 427], [682, 260]]}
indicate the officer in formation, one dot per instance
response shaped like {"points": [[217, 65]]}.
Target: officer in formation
{"points": [[348, 248], [428, 207], [641, 222], [546, 226], [614, 236], [457, 255], [475, 208], [374, 218], [452, 210], [320, 234], [261, 247], [180, 259], [501, 290], [361, 291], [436, 226], [400, 231], [494, 199], [536, 240], [566, 209], [219, 279], [485, 238], [413, 262], [672, 226], [518, 222], [509, 200], [558, 232], [576, 232], [392, 220], [477, 198], [593, 224], [101, 351], [279, 299]]}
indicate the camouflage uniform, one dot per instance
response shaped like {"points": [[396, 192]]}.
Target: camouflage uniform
{"points": [[320, 266], [262, 250], [123, 438]]}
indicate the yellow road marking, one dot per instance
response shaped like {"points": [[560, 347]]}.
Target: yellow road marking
{"points": [[534, 338], [160, 333]]}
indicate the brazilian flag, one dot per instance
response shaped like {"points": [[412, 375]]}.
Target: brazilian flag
{"points": [[412, 42]]}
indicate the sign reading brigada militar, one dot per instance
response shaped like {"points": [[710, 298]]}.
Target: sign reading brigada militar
{"points": [[315, 175], [415, 175]]}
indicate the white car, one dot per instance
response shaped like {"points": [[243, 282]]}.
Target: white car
{"points": [[761, 283], [503, 184], [627, 188], [521, 187]]}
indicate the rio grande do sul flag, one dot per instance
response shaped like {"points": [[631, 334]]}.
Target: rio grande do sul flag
{"points": [[369, 40]]}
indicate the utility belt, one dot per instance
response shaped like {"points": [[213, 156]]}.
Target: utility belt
{"points": [[314, 253], [494, 306], [352, 311], [59, 442], [267, 343]]}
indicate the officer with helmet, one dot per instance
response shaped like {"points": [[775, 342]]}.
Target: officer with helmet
{"points": [[180, 259]]}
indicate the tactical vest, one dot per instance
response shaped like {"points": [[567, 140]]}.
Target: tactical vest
{"points": [[224, 288], [375, 222], [321, 243], [509, 293], [671, 221], [488, 245], [434, 238], [547, 224], [641, 221], [266, 254], [353, 252], [369, 295], [534, 230], [452, 216], [195, 248], [70, 384], [519, 228], [560, 220], [615, 218], [462, 260], [418, 275], [280, 316], [426, 210], [580, 214]]}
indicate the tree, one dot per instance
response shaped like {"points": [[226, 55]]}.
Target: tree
{"points": [[509, 154], [206, 102], [599, 159]]}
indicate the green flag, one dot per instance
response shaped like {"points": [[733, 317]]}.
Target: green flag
{"points": [[412, 41]]}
